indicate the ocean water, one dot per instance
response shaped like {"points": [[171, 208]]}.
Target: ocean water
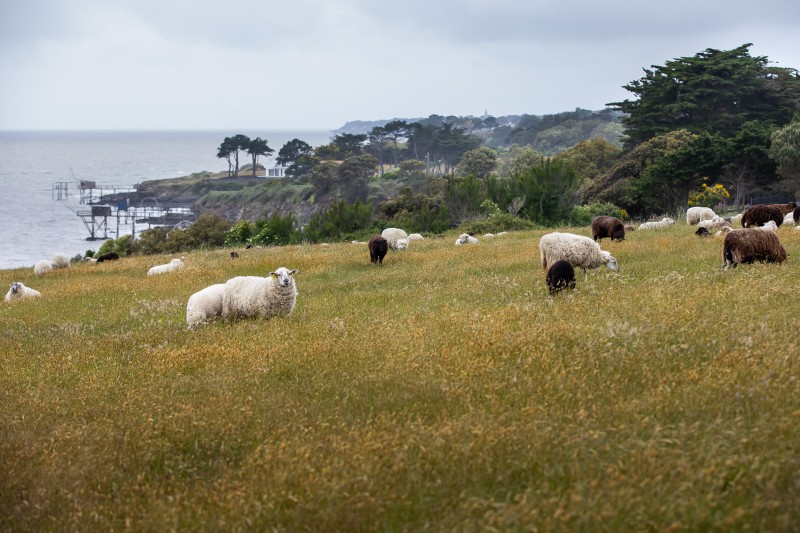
{"points": [[35, 225]]}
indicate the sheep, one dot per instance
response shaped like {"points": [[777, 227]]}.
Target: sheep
{"points": [[736, 218], [698, 214], [723, 231], [758, 214], [42, 267], [768, 226], [466, 238], [785, 208], [796, 215], [702, 232], [606, 226], [748, 245], [715, 222], [488, 235], [378, 247], [109, 256], [397, 238], [60, 261], [663, 223], [788, 218], [234, 255], [205, 305], [580, 251], [18, 291], [630, 227], [253, 296], [560, 276], [415, 237], [172, 266]]}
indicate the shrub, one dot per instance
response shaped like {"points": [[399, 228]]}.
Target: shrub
{"points": [[498, 222], [582, 215]]}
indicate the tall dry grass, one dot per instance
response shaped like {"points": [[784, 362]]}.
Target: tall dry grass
{"points": [[443, 391]]}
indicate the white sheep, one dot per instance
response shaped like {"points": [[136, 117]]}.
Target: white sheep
{"points": [[737, 218], [415, 237], [397, 238], [466, 238], [488, 235], [769, 225], [204, 305], [788, 218], [715, 222], [172, 266], [18, 291], [723, 231], [579, 250], [60, 261], [663, 223], [42, 267], [253, 296], [698, 214]]}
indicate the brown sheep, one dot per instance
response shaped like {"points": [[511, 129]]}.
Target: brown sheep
{"points": [[748, 245], [560, 276], [796, 215], [760, 214], [605, 226], [785, 208]]}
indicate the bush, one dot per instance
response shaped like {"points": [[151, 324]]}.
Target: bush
{"points": [[582, 215], [496, 223]]}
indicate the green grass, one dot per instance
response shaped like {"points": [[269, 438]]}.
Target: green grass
{"points": [[443, 391]]}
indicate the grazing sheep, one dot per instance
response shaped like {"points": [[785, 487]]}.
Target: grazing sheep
{"points": [[702, 232], [60, 261], [663, 223], [415, 237], [234, 255], [768, 226], [253, 296], [397, 238], [785, 208], [759, 214], [715, 222], [748, 245], [560, 276], [698, 214], [796, 215], [378, 248], [580, 251], [42, 267], [110, 256], [488, 235], [172, 266], [605, 226], [723, 231], [466, 238], [630, 227], [788, 218], [18, 291], [204, 305]]}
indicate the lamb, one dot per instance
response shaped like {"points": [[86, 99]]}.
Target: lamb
{"points": [[466, 238], [748, 245], [18, 291], [580, 251], [397, 238], [698, 214], [378, 247], [606, 226], [560, 276], [663, 223], [253, 296], [715, 222], [172, 266], [759, 214], [60, 261], [42, 267], [204, 305]]}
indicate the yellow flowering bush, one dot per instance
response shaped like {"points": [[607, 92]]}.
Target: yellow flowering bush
{"points": [[708, 196]]}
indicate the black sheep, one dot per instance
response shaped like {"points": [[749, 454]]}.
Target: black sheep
{"points": [[702, 232], [560, 276], [605, 226], [796, 215], [760, 214], [378, 247], [110, 256]]}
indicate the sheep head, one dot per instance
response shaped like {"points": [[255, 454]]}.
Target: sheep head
{"points": [[284, 276], [610, 261]]}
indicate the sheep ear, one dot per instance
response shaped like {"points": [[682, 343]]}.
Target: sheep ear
{"points": [[294, 271], [272, 274]]}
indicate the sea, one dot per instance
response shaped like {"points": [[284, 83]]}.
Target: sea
{"points": [[38, 217]]}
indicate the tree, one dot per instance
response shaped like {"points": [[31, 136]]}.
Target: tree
{"points": [[548, 189], [451, 143], [354, 173], [479, 162], [395, 130], [349, 144], [715, 91], [785, 151], [257, 147], [298, 157], [747, 165], [238, 143], [377, 141], [225, 151]]}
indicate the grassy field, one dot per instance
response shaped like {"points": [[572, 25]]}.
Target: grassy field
{"points": [[443, 391]]}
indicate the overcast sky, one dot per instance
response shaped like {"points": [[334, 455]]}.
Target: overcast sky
{"points": [[316, 64]]}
